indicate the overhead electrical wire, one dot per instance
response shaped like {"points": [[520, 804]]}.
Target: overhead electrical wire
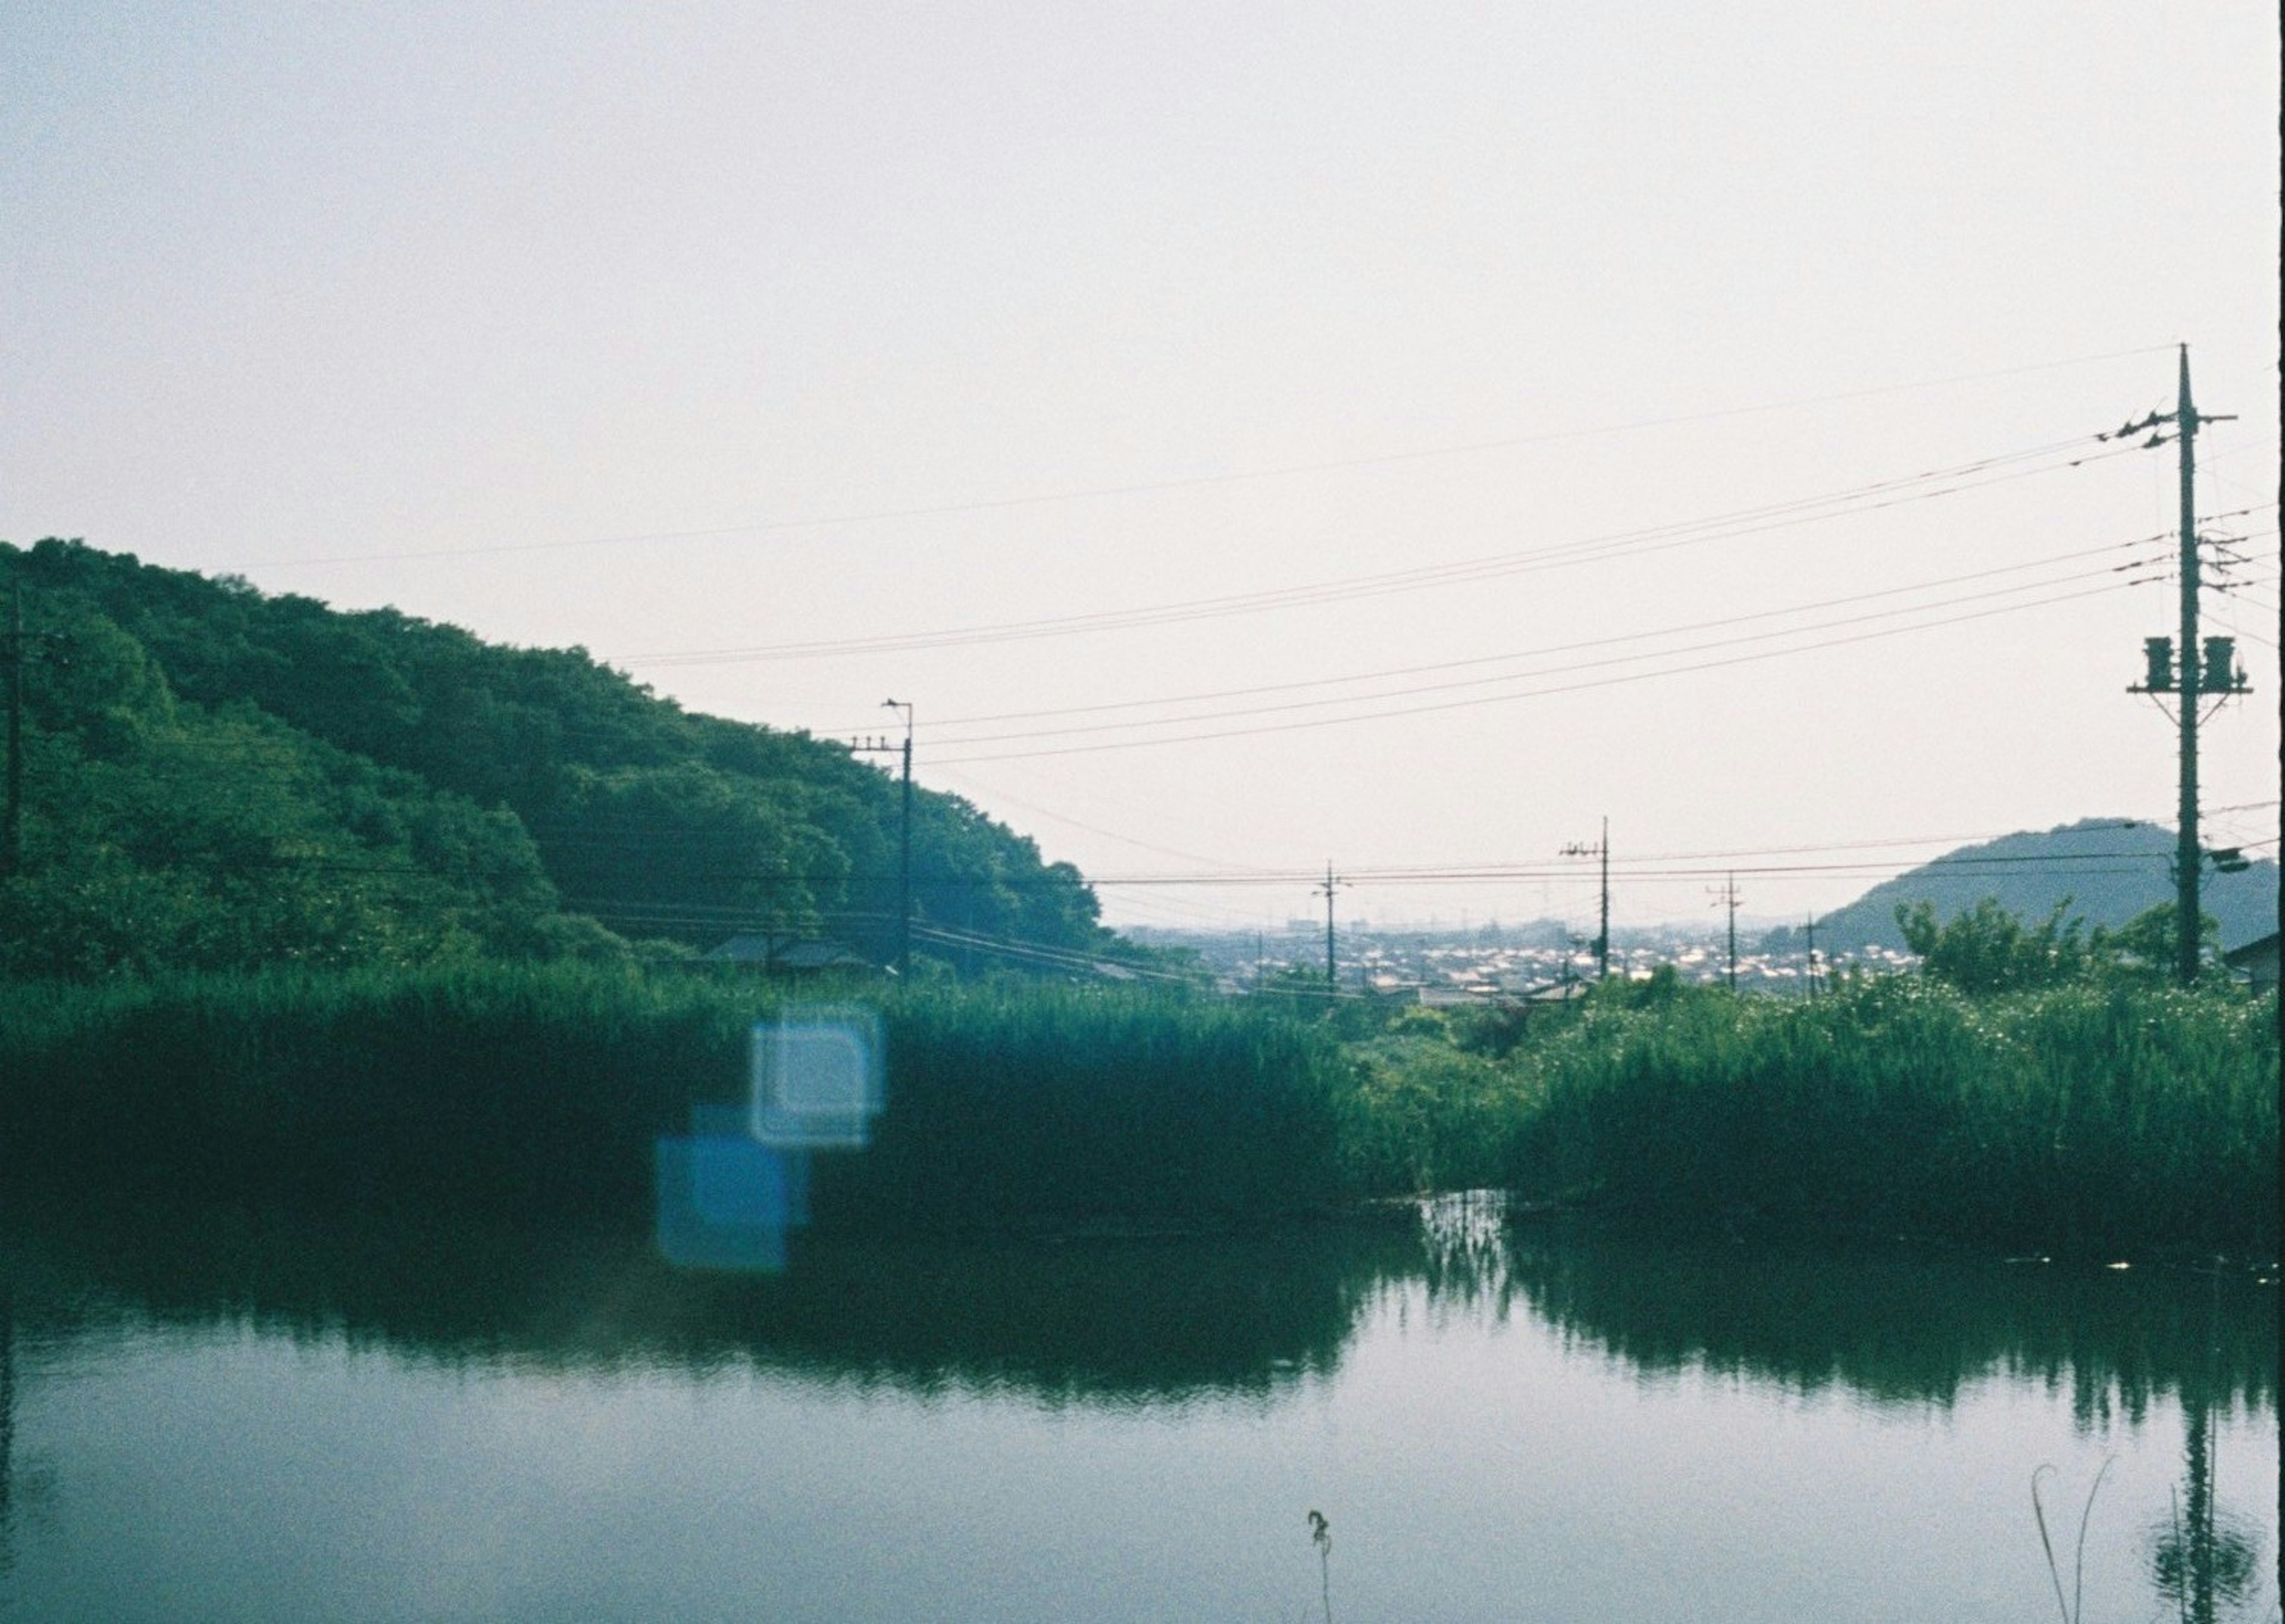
{"points": [[1682, 865], [1553, 649], [1871, 498], [1129, 840], [956, 742], [1535, 693], [1551, 870], [1469, 682], [1047, 954], [1654, 869], [1203, 480]]}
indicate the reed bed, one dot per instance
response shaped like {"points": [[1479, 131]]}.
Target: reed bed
{"points": [[2114, 1118], [2108, 1118], [541, 1088]]}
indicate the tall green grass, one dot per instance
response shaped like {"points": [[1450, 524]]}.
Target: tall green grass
{"points": [[2123, 1118], [2097, 1116], [1079, 1101], [541, 1088]]}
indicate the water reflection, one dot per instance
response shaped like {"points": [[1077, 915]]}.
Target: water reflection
{"points": [[2203, 1556], [1141, 1321], [7, 1426], [1123, 1320], [1899, 1325], [1485, 1404]]}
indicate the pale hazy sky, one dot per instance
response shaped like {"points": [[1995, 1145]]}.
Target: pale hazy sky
{"points": [[666, 331]]}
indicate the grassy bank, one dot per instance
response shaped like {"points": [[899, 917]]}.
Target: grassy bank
{"points": [[2088, 1118], [527, 1089]]}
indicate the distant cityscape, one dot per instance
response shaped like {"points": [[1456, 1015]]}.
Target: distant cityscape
{"points": [[1459, 965], [2101, 872]]}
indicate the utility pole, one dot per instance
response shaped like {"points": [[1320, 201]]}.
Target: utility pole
{"points": [[2187, 669], [1729, 894], [905, 853], [1810, 926], [2187, 861], [1327, 889], [1602, 849], [904, 837]]}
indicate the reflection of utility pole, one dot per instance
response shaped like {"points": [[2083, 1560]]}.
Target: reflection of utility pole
{"points": [[1729, 894], [2200, 1560], [1327, 890], [7, 1422], [1602, 849], [2189, 668]]}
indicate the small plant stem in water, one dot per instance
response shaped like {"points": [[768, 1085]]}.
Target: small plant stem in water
{"points": [[2075, 1610], [1321, 1535]]}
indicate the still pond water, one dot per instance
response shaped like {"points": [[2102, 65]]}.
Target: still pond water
{"points": [[206, 1416]]}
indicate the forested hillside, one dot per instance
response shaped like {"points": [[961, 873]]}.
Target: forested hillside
{"points": [[2109, 870], [217, 777]]}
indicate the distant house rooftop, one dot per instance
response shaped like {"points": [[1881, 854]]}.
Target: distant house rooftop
{"points": [[2256, 962]]}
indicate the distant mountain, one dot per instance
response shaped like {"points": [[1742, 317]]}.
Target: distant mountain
{"points": [[2111, 868]]}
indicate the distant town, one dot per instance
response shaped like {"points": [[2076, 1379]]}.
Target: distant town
{"points": [[1541, 959]]}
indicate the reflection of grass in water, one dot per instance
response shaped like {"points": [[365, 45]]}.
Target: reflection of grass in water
{"points": [[1465, 1250], [1116, 1322], [1902, 1325]]}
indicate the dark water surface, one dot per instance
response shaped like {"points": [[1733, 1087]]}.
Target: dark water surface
{"points": [[210, 1415]]}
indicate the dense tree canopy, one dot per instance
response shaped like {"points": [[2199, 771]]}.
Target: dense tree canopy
{"points": [[1987, 949], [215, 776]]}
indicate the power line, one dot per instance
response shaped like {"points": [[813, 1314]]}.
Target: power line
{"points": [[1437, 688], [1540, 693], [1039, 811], [1620, 544], [1673, 866], [1195, 481], [1599, 642], [1044, 954]]}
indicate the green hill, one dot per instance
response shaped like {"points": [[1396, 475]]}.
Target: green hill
{"points": [[2109, 869], [217, 777]]}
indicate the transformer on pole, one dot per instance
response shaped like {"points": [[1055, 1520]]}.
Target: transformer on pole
{"points": [[2186, 667]]}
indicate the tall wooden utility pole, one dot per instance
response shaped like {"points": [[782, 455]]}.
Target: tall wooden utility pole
{"points": [[1602, 849], [2189, 669], [2187, 859], [905, 852], [1728, 895], [1330, 963], [879, 747]]}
